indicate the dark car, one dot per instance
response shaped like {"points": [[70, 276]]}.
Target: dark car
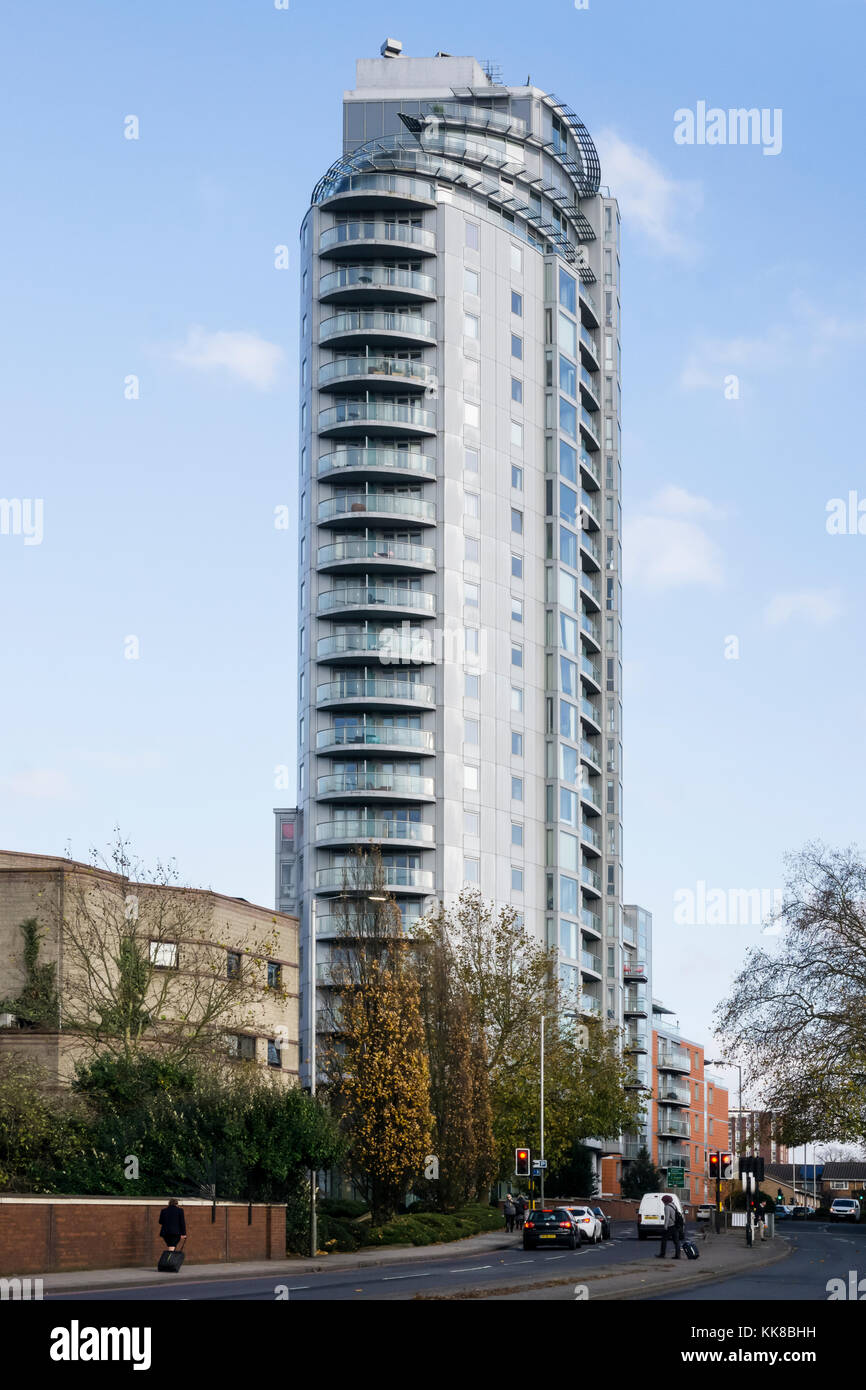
{"points": [[782, 1212], [605, 1222], [550, 1226], [798, 1213]]}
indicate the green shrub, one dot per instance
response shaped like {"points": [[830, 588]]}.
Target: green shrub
{"points": [[343, 1207]]}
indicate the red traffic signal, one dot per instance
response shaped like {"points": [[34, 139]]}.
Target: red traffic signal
{"points": [[521, 1163], [713, 1164], [726, 1165]]}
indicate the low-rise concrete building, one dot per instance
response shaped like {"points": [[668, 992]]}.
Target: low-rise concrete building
{"points": [[218, 966]]}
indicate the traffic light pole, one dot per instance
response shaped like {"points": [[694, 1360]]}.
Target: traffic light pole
{"points": [[542, 1109]]}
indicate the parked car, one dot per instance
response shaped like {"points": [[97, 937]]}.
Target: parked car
{"points": [[588, 1224], [844, 1209], [605, 1222], [704, 1212], [798, 1213], [550, 1226], [782, 1212], [651, 1213]]}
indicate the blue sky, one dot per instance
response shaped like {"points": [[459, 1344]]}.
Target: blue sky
{"points": [[155, 258]]}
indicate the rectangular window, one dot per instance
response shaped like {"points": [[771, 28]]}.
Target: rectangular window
{"points": [[568, 507], [273, 1053], [472, 503], [516, 346], [517, 477], [470, 325], [472, 870], [516, 609], [568, 590], [471, 730], [516, 655], [516, 833], [517, 566], [471, 281], [517, 699], [470, 777], [516, 744], [470, 460], [568, 547], [233, 963], [568, 335], [517, 521], [471, 823], [516, 257], [470, 686], [517, 434], [238, 1045], [470, 641], [516, 880], [567, 376], [567, 461], [567, 291], [163, 955], [517, 789], [516, 389], [567, 417], [275, 975], [472, 415], [516, 303], [470, 594], [472, 235], [473, 549]]}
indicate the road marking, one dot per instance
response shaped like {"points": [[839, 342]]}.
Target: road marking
{"points": [[390, 1278], [296, 1288], [469, 1269]]}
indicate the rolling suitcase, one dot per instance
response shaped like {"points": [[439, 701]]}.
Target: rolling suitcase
{"points": [[690, 1249], [170, 1261]]}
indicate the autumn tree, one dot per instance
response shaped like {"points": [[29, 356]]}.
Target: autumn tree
{"points": [[459, 1083], [374, 1057], [796, 1012]]}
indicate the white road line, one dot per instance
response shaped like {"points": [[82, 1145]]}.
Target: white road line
{"points": [[296, 1288], [468, 1269], [390, 1278]]}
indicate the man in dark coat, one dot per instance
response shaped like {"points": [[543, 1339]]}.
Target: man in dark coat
{"points": [[673, 1227], [172, 1223]]}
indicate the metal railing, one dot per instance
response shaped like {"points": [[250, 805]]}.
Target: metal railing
{"points": [[377, 277], [366, 549], [376, 412], [366, 735], [401, 460], [376, 231], [376, 321]]}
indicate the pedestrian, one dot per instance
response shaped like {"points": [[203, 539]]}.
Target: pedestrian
{"points": [[520, 1211], [674, 1227], [509, 1211], [759, 1214], [172, 1223]]}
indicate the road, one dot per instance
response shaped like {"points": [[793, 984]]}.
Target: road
{"points": [[821, 1252]]}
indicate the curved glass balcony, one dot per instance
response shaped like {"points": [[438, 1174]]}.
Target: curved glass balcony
{"points": [[674, 1059], [370, 828], [590, 711], [591, 546], [589, 348], [358, 506], [592, 468], [340, 880], [368, 282], [591, 426], [359, 417], [590, 879], [384, 372], [390, 645], [592, 754], [375, 784], [376, 325], [371, 735], [361, 691], [378, 190], [591, 628], [590, 669], [389, 462], [371, 237], [591, 587], [376, 597], [590, 837], [367, 554]]}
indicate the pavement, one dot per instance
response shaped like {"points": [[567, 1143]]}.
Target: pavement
{"points": [[81, 1280]]}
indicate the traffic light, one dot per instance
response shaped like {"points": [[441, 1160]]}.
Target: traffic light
{"points": [[780, 1196], [726, 1166], [521, 1163], [713, 1162]]}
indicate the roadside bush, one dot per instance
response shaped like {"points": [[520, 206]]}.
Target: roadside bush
{"points": [[343, 1207]]}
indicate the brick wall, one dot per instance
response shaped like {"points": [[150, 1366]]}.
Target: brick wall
{"points": [[48, 1235]]}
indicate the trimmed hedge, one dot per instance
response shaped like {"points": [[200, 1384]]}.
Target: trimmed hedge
{"points": [[421, 1228]]}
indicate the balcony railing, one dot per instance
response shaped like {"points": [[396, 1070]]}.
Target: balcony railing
{"points": [[591, 585], [590, 919], [376, 595], [376, 413], [590, 341], [590, 836], [590, 466], [375, 550], [591, 961], [668, 1124], [591, 668], [675, 1058], [592, 712], [370, 688], [353, 503], [376, 321], [349, 783], [635, 1041], [634, 970], [376, 277], [589, 1005], [588, 540], [388, 642], [374, 830], [594, 754], [404, 370], [400, 460], [419, 879], [673, 1092], [367, 735], [376, 231], [384, 183], [591, 626], [590, 877]]}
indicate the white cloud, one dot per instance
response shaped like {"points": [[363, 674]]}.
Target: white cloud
{"points": [[666, 547], [816, 606], [660, 207], [44, 783], [245, 355]]}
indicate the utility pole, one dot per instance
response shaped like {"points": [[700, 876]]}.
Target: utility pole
{"points": [[311, 967], [542, 1110]]}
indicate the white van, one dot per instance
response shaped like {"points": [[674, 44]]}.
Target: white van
{"points": [[651, 1213]]}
